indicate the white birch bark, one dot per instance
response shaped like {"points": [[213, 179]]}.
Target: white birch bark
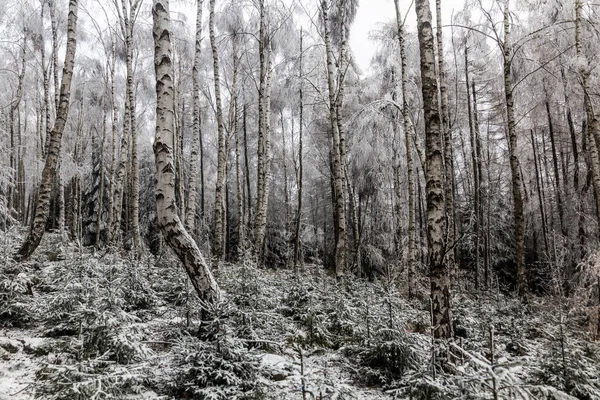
{"points": [[168, 219]]}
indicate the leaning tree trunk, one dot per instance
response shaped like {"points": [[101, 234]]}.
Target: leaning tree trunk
{"points": [[439, 275], [54, 143], [190, 217], [168, 219], [514, 161]]}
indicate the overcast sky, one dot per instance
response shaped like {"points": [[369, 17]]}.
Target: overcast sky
{"points": [[372, 13]]}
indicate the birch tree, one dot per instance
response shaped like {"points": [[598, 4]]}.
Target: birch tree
{"points": [[178, 239], [218, 230], [439, 276], [54, 142], [191, 203]]}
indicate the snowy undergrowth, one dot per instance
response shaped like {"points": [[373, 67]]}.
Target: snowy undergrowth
{"points": [[79, 325]]}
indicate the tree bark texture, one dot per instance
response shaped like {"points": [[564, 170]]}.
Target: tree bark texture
{"points": [[339, 195], [515, 169], [218, 245], [190, 217], [54, 142], [168, 219], [439, 274]]}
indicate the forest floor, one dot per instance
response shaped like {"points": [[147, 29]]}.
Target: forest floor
{"points": [[75, 324]]}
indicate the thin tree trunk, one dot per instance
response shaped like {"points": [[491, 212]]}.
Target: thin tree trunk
{"points": [[514, 161], [473, 126], [409, 154], [247, 169], [42, 208], [540, 190], [479, 188], [120, 177], [439, 274], [593, 125], [101, 167], [297, 255], [61, 206], [110, 228], [339, 195], [286, 193], [173, 230], [557, 186], [190, 219], [218, 244], [15, 137], [241, 223], [54, 28], [263, 201], [46, 84], [127, 17], [447, 138]]}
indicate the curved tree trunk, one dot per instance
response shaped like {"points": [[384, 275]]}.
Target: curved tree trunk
{"points": [[171, 226], [439, 275], [54, 143]]}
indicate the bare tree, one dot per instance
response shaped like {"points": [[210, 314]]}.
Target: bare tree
{"points": [[515, 169], [191, 203], [439, 275], [218, 231], [54, 142], [409, 153], [338, 164], [168, 219]]}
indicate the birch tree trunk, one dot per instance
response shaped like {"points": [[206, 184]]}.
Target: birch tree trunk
{"points": [[54, 28], [262, 203], [46, 85], [110, 228], [410, 259], [241, 226], [447, 138], [260, 151], [190, 218], [439, 275], [15, 137], [54, 143], [217, 248], [514, 161], [168, 219], [128, 17], [339, 196], [120, 176]]}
